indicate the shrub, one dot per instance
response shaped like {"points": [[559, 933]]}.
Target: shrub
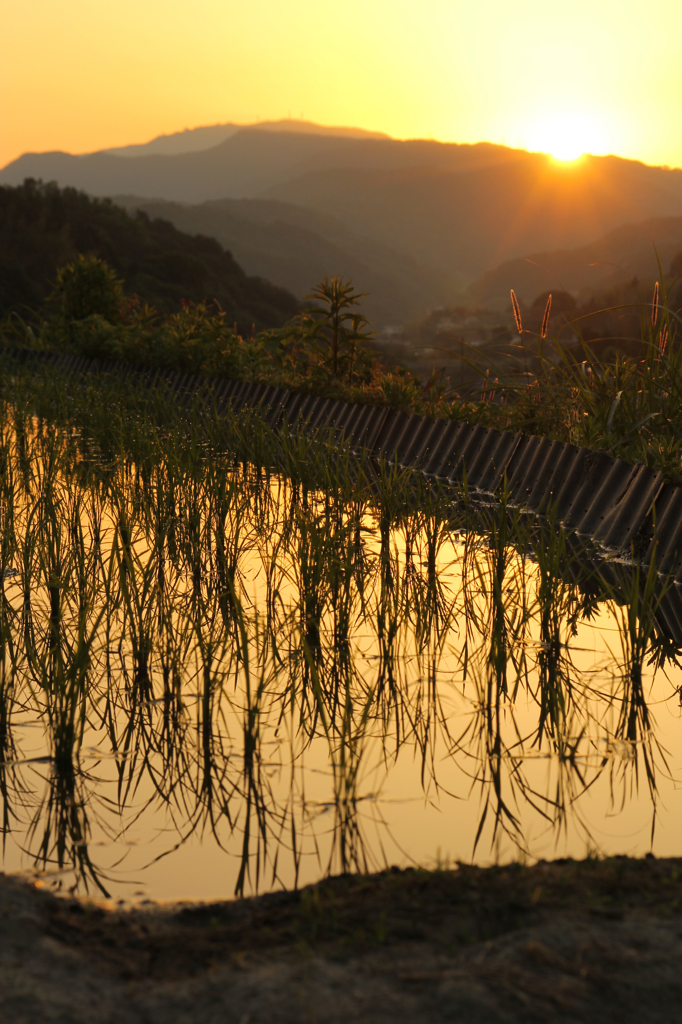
{"points": [[89, 287]]}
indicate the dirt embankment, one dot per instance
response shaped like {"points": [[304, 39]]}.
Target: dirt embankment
{"points": [[562, 941]]}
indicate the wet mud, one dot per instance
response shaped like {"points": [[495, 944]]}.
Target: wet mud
{"points": [[596, 940]]}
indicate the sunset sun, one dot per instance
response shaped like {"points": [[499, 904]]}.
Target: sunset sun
{"points": [[566, 135]]}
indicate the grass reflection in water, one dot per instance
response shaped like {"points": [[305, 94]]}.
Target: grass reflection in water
{"points": [[248, 650]]}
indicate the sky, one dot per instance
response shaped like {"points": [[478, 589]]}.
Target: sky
{"points": [[601, 76]]}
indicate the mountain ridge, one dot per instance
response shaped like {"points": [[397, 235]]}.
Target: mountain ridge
{"points": [[241, 166], [42, 228], [193, 140], [295, 247], [628, 252], [449, 212], [470, 221]]}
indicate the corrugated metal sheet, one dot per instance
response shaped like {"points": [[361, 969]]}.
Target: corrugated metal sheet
{"points": [[429, 436], [528, 457], [488, 463], [386, 427], [255, 395], [630, 511], [235, 388], [669, 614], [555, 497], [241, 395], [451, 463], [590, 492], [388, 444], [577, 466], [278, 403], [431, 442], [357, 426], [374, 426], [412, 440], [307, 407], [666, 545], [342, 418], [219, 393], [540, 492], [338, 414], [293, 407], [319, 413], [468, 444], [589, 499], [440, 451], [606, 489]]}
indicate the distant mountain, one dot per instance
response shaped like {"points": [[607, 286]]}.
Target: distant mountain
{"points": [[43, 227], [295, 247], [453, 211], [193, 140], [245, 164], [466, 221], [626, 253]]}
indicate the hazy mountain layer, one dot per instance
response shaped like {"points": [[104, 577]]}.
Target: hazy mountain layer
{"points": [[42, 228], [244, 165], [295, 247], [193, 140], [457, 211], [626, 253], [467, 221]]}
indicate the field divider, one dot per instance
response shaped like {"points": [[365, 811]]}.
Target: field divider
{"points": [[628, 510]]}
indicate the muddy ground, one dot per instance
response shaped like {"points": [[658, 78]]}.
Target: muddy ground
{"points": [[597, 940]]}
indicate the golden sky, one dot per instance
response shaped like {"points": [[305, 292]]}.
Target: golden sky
{"points": [[596, 75]]}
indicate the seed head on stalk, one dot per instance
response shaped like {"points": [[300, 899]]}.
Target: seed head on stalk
{"points": [[663, 341], [545, 319], [484, 393], [517, 312], [654, 306]]}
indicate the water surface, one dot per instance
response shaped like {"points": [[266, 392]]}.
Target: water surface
{"points": [[214, 681]]}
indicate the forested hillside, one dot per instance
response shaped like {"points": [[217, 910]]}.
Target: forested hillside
{"points": [[455, 210], [43, 227], [295, 247], [631, 252]]}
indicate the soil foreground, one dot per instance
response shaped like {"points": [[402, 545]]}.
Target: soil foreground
{"points": [[595, 940]]}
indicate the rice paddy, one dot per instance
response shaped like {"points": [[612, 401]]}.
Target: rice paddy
{"points": [[233, 660]]}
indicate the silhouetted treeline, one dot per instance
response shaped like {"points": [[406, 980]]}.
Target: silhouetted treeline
{"points": [[43, 227]]}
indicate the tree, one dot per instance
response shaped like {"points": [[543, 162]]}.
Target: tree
{"points": [[341, 329], [89, 286]]}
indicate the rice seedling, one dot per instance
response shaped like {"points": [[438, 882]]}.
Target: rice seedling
{"points": [[244, 635]]}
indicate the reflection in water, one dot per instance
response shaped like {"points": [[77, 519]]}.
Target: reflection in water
{"points": [[193, 649]]}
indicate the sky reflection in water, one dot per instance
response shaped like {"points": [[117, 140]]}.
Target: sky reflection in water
{"points": [[217, 682]]}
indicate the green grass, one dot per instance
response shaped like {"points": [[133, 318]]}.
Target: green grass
{"points": [[630, 406]]}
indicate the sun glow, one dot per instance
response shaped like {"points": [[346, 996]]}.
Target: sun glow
{"points": [[567, 135]]}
